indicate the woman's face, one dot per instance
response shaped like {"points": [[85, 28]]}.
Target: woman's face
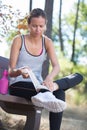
{"points": [[37, 26]]}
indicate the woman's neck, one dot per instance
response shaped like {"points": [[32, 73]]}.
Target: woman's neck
{"points": [[35, 39]]}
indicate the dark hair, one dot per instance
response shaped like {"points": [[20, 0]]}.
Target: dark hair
{"points": [[36, 13]]}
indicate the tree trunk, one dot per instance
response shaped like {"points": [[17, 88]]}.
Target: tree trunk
{"points": [[49, 12], [60, 28], [75, 28], [30, 8]]}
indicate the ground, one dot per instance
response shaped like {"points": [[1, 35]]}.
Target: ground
{"points": [[74, 118]]}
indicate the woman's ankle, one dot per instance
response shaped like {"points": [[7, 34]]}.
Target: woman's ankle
{"points": [[56, 86]]}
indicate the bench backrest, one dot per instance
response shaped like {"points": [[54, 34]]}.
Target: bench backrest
{"points": [[3, 64]]}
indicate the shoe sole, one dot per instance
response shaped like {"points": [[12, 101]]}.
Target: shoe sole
{"points": [[51, 106]]}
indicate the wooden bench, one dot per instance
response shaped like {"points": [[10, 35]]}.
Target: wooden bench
{"points": [[21, 106]]}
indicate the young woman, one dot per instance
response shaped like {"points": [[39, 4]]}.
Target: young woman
{"points": [[28, 52]]}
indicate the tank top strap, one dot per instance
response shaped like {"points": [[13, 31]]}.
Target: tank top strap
{"points": [[22, 42], [43, 42]]}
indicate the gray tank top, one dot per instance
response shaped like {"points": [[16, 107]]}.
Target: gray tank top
{"points": [[33, 61]]}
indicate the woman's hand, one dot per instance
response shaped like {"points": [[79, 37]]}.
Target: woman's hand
{"points": [[24, 71], [48, 82]]}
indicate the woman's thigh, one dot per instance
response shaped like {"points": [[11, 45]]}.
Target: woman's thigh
{"points": [[22, 89]]}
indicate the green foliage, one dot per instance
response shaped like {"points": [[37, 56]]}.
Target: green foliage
{"points": [[8, 21], [11, 35], [55, 32], [70, 19], [81, 33], [79, 98], [83, 20]]}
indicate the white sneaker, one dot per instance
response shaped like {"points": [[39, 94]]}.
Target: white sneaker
{"points": [[48, 101]]}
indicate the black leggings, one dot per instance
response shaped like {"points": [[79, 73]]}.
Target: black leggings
{"points": [[27, 90]]}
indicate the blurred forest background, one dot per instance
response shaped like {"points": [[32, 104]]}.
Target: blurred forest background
{"points": [[68, 32]]}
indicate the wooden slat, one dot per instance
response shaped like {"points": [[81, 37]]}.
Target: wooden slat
{"points": [[13, 99]]}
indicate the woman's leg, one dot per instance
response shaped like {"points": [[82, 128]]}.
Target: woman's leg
{"points": [[64, 84], [43, 99], [22, 89], [56, 118], [69, 81]]}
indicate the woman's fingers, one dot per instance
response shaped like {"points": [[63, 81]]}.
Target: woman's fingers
{"points": [[49, 85], [24, 73]]}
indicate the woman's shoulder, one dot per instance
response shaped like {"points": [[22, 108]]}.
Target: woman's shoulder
{"points": [[17, 37], [47, 39], [17, 41]]}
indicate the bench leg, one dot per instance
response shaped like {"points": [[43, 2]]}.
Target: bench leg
{"points": [[33, 120]]}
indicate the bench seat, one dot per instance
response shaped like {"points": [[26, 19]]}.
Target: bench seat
{"points": [[18, 105]]}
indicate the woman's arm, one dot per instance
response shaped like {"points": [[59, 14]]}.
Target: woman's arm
{"points": [[54, 62], [14, 53], [53, 58]]}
